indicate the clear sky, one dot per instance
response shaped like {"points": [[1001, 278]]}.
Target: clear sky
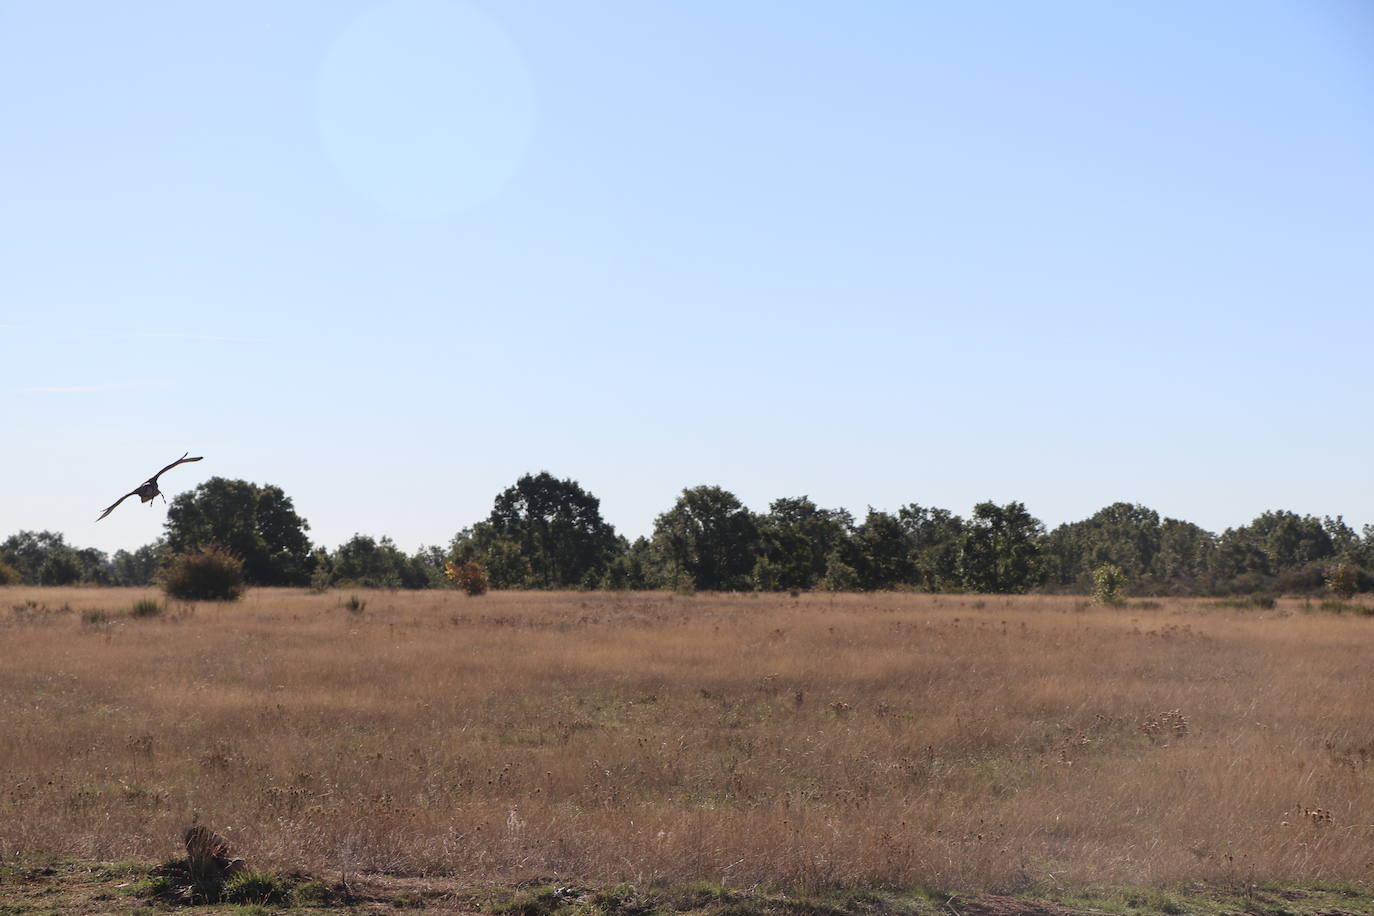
{"points": [[390, 256]]}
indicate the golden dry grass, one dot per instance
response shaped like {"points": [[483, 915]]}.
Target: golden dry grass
{"points": [[992, 743]]}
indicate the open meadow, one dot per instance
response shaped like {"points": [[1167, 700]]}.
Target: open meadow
{"points": [[963, 742]]}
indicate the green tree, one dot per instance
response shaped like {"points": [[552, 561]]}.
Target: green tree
{"points": [[934, 536], [709, 540], [839, 575], [557, 527], [45, 558], [139, 567], [1123, 534], [636, 566], [881, 552], [1186, 557], [796, 538], [501, 558], [1000, 551], [258, 524], [380, 564]]}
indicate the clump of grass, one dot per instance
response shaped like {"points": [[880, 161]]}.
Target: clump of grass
{"points": [[355, 605], [95, 617], [259, 887], [534, 902], [147, 607]]}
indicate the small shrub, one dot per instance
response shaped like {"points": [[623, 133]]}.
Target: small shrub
{"points": [[204, 574], [355, 604], [1342, 580], [8, 574], [1108, 581], [95, 617], [469, 576], [147, 607]]}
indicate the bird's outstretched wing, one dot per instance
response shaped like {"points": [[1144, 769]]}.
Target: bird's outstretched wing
{"points": [[116, 503], [182, 460]]}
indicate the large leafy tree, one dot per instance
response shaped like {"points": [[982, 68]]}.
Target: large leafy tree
{"points": [[1186, 557], [1124, 535], [557, 527], [1274, 543], [259, 524], [796, 539], [935, 536], [708, 540], [1000, 551], [881, 552]]}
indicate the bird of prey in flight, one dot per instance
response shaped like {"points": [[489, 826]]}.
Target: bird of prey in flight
{"points": [[148, 489]]}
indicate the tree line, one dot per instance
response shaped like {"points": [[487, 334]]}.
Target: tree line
{"points": [[548, 533]]}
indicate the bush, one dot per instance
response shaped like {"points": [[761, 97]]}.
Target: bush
{"points": [[1343, 580], [8, 574], [204, 574], [1108, 581], [839, 575], [469, 576]]}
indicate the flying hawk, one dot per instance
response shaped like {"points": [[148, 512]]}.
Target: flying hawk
{"points": [[148, 489]]}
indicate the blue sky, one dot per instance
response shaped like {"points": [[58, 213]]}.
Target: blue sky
{"points": [[390, 256]]}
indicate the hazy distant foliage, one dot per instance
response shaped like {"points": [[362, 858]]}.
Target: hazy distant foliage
{"points": [[379, 564], [45, 558], [547, 533], [205, 573]]}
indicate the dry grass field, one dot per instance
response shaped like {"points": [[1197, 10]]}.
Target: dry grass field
{"points": [[947, 741]]}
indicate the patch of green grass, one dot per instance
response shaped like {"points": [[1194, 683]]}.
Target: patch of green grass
{"points": [[256, 887], [534, 902], [355, 605], [160, 886], [311, 893]]}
